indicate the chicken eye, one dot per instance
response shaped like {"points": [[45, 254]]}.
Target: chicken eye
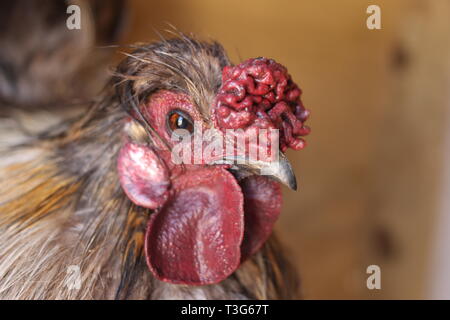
{"points": [[177, 119]]}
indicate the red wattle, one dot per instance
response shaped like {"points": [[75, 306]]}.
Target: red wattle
{"points": [[262, 207], [195, 238]]}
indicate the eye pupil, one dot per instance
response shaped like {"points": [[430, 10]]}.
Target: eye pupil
{"points": [[178, 120], [182, 123]]}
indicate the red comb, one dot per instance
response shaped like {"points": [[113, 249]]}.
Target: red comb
{"points": [[260, 92]]}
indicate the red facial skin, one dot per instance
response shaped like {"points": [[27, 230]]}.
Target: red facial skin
{"points": [[206, 222]]}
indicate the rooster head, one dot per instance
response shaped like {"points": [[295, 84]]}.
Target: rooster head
{"points": [[214, 209]]}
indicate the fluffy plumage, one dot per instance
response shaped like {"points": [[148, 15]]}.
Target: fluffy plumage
{"points": [[61, 203]]}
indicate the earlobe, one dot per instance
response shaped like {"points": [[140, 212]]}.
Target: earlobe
{"points": [[143, 176]]}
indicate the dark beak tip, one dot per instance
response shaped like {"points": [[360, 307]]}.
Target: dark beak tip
{"points": [[291, 183], [280, 171], [294, 186]]}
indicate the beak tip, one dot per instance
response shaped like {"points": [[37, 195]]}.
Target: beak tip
{"points": [[286, 174], [280, 171], [292, 183], [294, 186]]}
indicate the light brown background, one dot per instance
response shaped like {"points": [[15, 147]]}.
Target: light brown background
{"points": [[370, 176]]}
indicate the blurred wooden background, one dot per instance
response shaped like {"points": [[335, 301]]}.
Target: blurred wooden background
{"points": [[370, 176]]}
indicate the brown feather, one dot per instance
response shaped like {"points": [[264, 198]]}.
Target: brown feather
{"points": [[65, 206]]}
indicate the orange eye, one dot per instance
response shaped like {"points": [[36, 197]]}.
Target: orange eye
{"points": [[177, 119]]}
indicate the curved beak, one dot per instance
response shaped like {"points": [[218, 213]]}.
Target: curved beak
{"points": [[279, 170]]}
